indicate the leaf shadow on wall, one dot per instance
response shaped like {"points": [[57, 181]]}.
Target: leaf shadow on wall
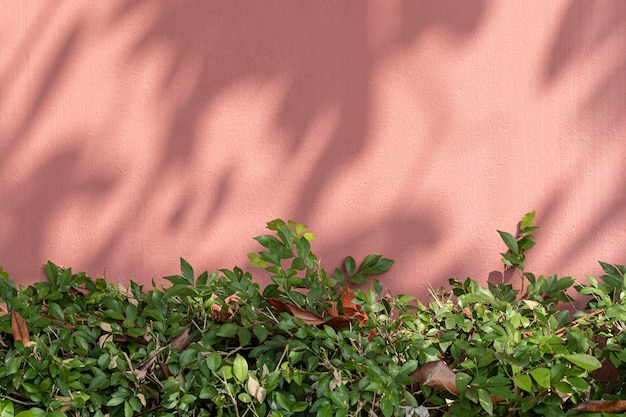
{"points": [[61, 185], [323, 53], [589, 35], [582, 35], [321, 50]]}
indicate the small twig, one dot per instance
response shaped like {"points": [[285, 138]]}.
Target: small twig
{"points": [[281, 358], [562, 330], [8, 397], [147, 410], [578, 320]]}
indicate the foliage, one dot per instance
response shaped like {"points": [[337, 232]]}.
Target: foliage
{"points": [[310, 343]]}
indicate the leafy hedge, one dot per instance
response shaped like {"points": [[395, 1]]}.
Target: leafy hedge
{"points": [[311, 343]]}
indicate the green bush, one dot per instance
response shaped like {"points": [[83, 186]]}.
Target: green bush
{"points": [[311, 343]]}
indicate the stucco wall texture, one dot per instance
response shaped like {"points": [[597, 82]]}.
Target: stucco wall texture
{"points": [[136, 132]]}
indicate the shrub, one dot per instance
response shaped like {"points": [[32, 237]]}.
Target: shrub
{"points": [[310, 343]]}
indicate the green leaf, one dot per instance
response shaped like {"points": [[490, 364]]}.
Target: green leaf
{"points": [[509, 241], [386, 406], [610, 269], [383, 265], [180, 289], [271, 257], [592, 281], [13, 365], [527, 220], [260, 332], [501, 392], [285, 235], [282, 401], [512, 259], [240, 368], [115, 401], [303, 247], [227, 330], [301, 228], [244, 336], [187, 271], [6, 408], [96, 383], [128, 409], [578, 382], [299, 406], [358, 279], [188, 356], [33, 412], [484, 398], [213, 361], [462, 381], [268, 241], [202, 279], [177, 280], [325, 411], [408, 367], [564, 283], [523, 381], [350, 265], [378, 286], [582, 360], [541, 377], [56, 311], [339, 275], [273, 225]]}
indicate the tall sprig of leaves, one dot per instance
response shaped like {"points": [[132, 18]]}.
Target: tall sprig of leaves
{"points": [[519, 244]]}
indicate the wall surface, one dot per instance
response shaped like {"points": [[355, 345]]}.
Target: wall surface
{"points": [[136, 132]]}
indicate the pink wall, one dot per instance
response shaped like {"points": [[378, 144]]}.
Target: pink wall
{"points": [[135, 132]]}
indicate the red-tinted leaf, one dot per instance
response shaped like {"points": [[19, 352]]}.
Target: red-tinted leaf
{"points": [[352, 310]]}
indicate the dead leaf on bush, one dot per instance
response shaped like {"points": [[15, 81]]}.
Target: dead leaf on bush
{"points": [[221, 313], [602, 406], [19, 328], [307, 316], [181, 341], [334, 319], [436, 375], [352, 310]]}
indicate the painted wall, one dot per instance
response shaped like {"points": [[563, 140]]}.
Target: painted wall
{"points": [[136, 132]]}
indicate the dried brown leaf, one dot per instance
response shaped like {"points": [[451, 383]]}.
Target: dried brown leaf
{"points": [[165, 369], [19, 328], [333, 320], [436, 374], [140, 374], [181, 341], [332, 310], [352, 310], [602, 406], [307, 316], [339, 322], [256, 390]]}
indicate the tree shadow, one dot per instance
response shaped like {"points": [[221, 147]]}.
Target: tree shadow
{"points": [[322, 57], [56, 200], [581, 38]]}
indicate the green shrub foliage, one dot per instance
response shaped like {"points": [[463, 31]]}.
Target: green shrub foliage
{"points": [[312, 343]]}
